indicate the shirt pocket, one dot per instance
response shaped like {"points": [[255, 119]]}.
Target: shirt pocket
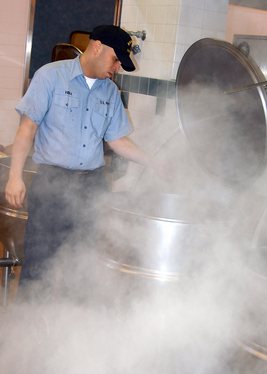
{"points": [[68, 102], [64, 111], [101, 115]]}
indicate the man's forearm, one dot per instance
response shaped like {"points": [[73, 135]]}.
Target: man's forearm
{"points": [[126, 148], [21, 147]]}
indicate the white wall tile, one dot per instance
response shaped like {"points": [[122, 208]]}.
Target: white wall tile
{"points": [[205, 19], [180, 51], [195, 4], [190, 17], [159, 19], [214, 21], [151, 32], [178, 23], [160, 33], [170, 33], [188, 35], [172, 27], [213, 34], [174, 70], [144, 103], [129, 13], [128, 2], [171, 15], [156, 15], [165, 70]]}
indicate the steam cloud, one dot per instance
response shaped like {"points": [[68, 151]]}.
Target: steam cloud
{"points": [[87, 317]]}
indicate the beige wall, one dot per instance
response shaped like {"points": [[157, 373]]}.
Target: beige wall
{"points": [[14, 17], [245, 21]]}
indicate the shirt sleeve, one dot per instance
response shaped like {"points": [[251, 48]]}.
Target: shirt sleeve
{"points": [[35, 103]]}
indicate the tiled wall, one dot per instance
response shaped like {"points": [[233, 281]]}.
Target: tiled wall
{"points": [[159, 18], [13, 30], [171, 27], [160, 88], [149, 93], [199, 19]]}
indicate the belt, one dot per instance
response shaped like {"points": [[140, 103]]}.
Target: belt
{"points": [[55, 169]]}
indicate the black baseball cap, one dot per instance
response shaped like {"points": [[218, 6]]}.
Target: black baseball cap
{"points": [[119, 40]]}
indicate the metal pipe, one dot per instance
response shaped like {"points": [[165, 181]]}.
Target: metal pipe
{"points": [[9, 262], [247, 87], [5, 282]]}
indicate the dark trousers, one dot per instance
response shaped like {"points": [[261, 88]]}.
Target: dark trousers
{"points": [[62, 205]]}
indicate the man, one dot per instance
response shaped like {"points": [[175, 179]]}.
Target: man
{"points": [[69, 109]]}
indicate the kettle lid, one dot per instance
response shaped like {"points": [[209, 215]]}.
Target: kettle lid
{"points": [[226, 131]]}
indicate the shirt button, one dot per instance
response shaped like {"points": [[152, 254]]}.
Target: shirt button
{"points": [[84, 145], [81, 163], [87, 109], [85, 127], [67, 104]]}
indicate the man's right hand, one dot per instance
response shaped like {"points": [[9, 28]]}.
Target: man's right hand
{"points": [[15, 192]]}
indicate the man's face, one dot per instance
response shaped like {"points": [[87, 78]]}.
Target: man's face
{"points": [[107, 63]]}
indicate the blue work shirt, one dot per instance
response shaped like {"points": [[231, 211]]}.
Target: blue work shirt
{"points": [[72, 119]]}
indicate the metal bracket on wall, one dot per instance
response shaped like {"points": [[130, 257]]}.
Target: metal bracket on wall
{"points": [[138, 34]]}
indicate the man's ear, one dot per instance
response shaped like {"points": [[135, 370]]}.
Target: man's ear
{"points": [[97, 47]]}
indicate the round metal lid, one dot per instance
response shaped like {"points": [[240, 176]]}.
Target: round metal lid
{"points": [[226, 131]]}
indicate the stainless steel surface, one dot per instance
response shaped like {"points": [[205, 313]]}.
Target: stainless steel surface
{"points": [[159, 236], [28, 50], [12, 221], [227, 133], [255, 349], [257, 259], [253, 339], [257, 48], [253, 335]]}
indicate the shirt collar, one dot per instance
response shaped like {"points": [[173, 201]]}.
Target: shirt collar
{"points": [[77, 71], [76, 68]]}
